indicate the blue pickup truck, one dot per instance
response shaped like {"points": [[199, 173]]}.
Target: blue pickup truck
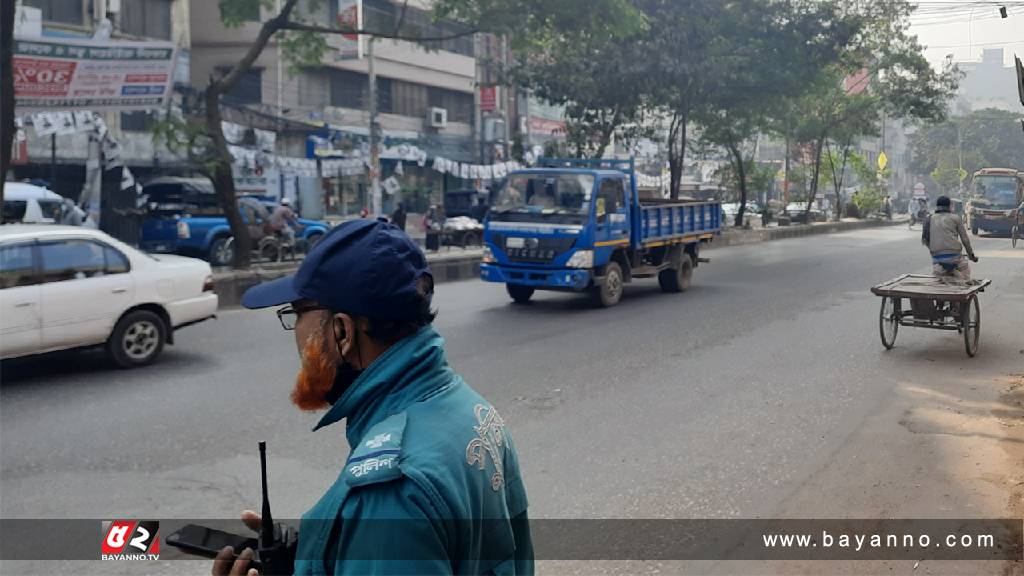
{"points": [[185, 218], [581, 226]]}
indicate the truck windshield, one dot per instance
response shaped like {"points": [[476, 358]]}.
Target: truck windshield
{"points": [[546, 196], [996, 191]]}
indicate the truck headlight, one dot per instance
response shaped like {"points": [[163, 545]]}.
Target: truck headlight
{"points": [[488, 257], [184, 233], [581, 259]]}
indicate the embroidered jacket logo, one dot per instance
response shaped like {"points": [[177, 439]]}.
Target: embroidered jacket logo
{"points": [[490, 441]]}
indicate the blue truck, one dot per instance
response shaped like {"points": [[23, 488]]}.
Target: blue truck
{"points": [[185, 218], [582, 226]]}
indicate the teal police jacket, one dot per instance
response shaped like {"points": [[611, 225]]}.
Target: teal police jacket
{"points": [[432, 482]]}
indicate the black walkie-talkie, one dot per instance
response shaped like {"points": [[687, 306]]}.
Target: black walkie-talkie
{"points": [[277, 542]]}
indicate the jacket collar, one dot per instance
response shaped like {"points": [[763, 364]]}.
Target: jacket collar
{"points": [[407, 372]]}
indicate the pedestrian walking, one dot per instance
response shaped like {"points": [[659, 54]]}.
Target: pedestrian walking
{"points": [[432, 484], [398, 216]]}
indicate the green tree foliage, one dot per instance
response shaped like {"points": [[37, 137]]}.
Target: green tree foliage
{"points": [[890, 77], [988, 138], [535, 27]]}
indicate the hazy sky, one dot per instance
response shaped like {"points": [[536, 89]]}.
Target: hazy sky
{"points": [[964, 28]]}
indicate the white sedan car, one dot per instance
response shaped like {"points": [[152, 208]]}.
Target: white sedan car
{"points": [[70, 287]]}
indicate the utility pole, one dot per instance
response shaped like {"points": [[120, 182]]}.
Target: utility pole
{"points": [[960, 155], [375, 195]]}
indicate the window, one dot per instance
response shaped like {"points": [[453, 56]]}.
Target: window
{"points": [[409, 99], [248, 90], [138, 121], [347, 89], [458, 104], [117, 263], [17, 267], [384, 102], [610, 199], [79, 259], [250, 10], [63, 11], [147, 18], [14, 210], [379, 16]]}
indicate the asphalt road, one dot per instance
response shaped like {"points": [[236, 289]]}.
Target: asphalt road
{"points": [[762, 392]]}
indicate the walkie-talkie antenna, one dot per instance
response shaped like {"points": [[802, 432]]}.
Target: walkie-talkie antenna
{"points": [[267, 523]]}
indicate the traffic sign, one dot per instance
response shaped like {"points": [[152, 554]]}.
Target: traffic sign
{"points": [[883, 160], [962, 174]]}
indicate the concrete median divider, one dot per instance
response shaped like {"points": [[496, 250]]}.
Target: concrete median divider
{"points": [[451, 266], [231, 284], [736, 237]]}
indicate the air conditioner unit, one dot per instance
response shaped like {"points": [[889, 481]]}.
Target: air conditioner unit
{"points": [[438, 118]]}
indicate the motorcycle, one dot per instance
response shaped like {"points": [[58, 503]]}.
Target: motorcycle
{"points": [[918, 217]]}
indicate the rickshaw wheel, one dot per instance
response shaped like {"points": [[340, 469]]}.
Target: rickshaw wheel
{"points": [[889, 321], [971, 324]]}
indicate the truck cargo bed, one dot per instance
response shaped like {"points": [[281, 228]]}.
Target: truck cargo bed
{"points": [[679, 220]]}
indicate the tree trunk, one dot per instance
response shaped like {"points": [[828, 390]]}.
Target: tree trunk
{"points": [[6, 92], [838, 178], [814, 181], [224, 181], [741, 176], [677, 151]]}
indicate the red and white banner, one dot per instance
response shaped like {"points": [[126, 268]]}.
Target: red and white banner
{"points": [[546, 127], [350, 17], [67, 74]]}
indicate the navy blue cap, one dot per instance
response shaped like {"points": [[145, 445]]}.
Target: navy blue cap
{"points": [[362, 267]]}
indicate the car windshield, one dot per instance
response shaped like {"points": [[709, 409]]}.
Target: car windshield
{"points": [[566, 194], [997, 191]]}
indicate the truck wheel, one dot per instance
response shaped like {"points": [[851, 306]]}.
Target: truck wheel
{"points": [[222, 251], [520, 294], [974, 230], [677, 279], [609, 293], [137, 339]]}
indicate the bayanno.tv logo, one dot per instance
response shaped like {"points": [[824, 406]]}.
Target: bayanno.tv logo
{"points": [[130, 540]]}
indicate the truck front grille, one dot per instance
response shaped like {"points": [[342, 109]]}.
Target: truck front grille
{"points": [[535, 250]]}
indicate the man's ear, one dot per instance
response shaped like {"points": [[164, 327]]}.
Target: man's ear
{"points": [[344, 328]]}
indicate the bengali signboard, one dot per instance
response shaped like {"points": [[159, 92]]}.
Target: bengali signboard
{"points": [[350, 17], [67, 74]]}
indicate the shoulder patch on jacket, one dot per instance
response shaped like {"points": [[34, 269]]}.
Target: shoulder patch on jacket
{"points": [[375, 458]]}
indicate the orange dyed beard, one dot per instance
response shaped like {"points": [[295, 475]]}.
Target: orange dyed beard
{"points": [[316, 378]]}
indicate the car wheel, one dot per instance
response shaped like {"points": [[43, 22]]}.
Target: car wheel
{"points": [[137, 339], [222, 251]]}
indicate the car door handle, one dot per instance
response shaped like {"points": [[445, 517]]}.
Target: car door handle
{"points": [[24, 305], [118, 290]]}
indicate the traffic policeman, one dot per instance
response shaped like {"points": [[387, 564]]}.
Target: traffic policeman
{"points": [[432, 482]]}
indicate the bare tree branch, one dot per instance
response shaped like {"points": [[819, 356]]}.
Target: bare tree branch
{"points": [[401, 17], [301, 27], [269, 28]]}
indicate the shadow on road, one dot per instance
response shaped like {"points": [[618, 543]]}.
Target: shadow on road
{"points": [[48, 369]]}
